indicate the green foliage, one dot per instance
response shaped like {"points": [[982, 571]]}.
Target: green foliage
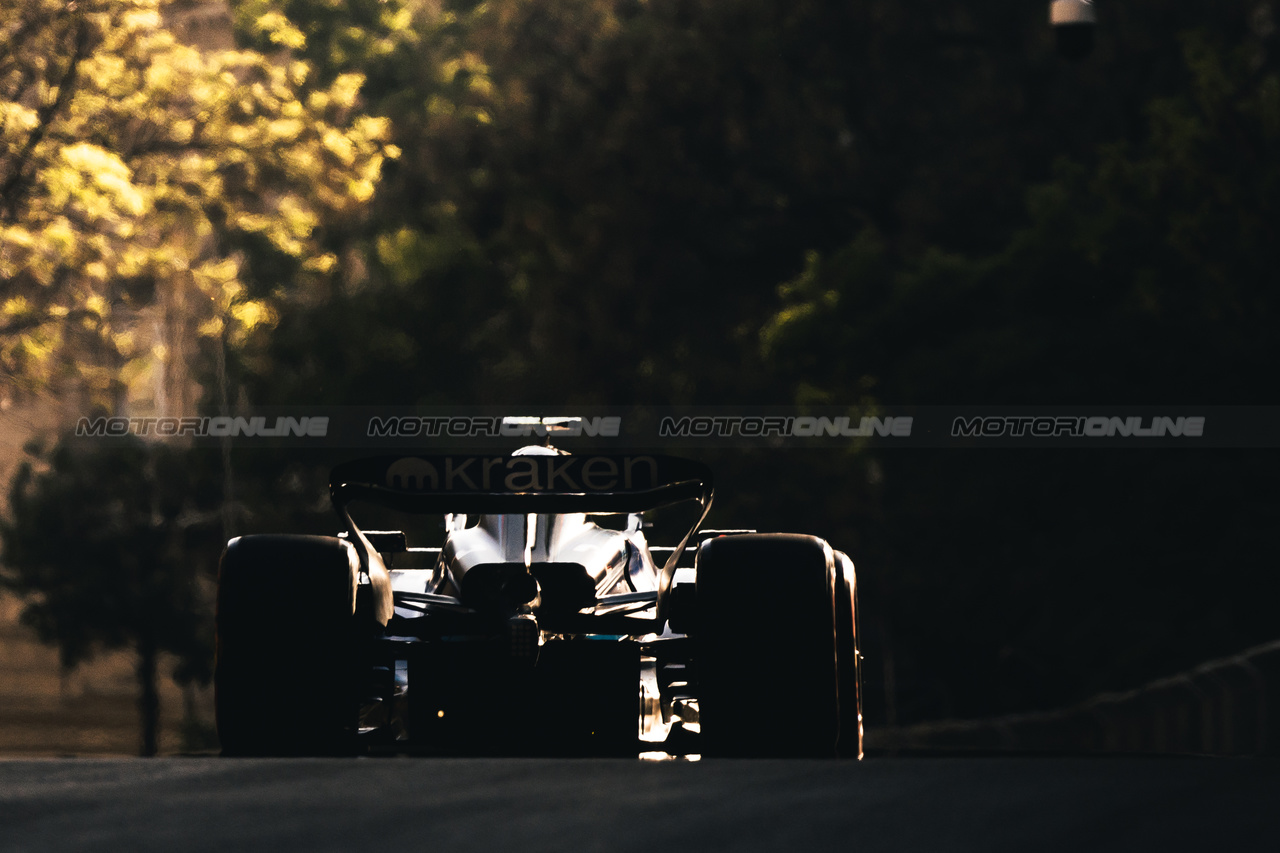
{"points": [[334, 36], [136, 171], [1161, 248], [633, 179], [583, 177], [607, 176]]}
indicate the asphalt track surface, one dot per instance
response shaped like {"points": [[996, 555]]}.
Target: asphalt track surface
{"points": [[527, 805]]}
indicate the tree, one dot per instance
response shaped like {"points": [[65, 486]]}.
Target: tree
{"points": [[115, 545], [1141, 275], [141, 178], [576, 176], [1161, 245]]}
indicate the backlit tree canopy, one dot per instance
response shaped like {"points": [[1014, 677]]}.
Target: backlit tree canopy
{"points": [[137, 172]]}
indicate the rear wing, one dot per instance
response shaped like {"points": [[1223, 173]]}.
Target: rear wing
{"points": [[521, 484], [515, 485]]}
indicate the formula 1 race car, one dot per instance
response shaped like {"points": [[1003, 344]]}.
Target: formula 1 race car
{"points": [[543, 624]]}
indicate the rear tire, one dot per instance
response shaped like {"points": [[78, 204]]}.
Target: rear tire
{"points": [[286, 678], [765, 646]]}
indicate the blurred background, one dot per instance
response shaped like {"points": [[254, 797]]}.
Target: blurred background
{"points": [[210, 206]]}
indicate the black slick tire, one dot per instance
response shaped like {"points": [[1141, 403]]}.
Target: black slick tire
{"points": [[286, 675], [765, 647]]}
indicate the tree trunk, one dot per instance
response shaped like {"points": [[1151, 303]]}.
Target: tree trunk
{"points": [[148, 695]]}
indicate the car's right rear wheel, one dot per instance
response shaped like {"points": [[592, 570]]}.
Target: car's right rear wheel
{"points": [[765, 646]]}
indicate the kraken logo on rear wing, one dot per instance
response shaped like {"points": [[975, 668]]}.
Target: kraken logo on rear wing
{"points": [[522, 484]]}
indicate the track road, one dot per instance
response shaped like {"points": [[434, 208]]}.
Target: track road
{"points": [[530, 805]]}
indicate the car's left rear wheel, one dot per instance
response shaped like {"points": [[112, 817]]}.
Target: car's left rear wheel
{"points": [[286, 678]]}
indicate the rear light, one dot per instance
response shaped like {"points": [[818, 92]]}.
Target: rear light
{"points": [[522, 634]]}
